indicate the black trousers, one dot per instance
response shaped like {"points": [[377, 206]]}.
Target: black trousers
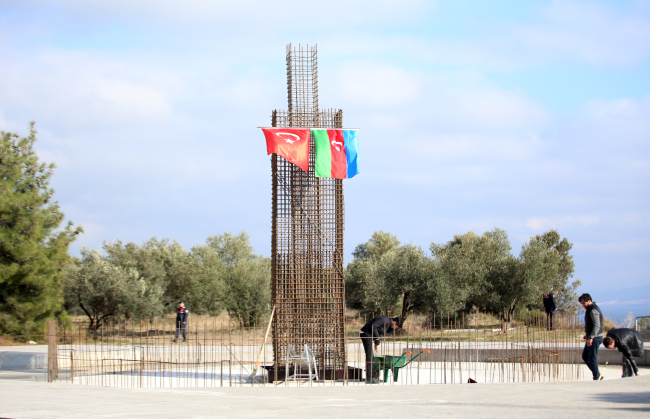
{"points": [[549, 321], [628, 371], [368, 347], [180, 326]]}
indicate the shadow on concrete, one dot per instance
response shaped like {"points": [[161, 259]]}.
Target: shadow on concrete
{"points": [[25, 375], [628, 398]]}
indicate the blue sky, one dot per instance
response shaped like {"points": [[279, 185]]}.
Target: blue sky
{"points": [[474, 114]]}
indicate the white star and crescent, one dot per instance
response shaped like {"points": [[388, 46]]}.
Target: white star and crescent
{"points": [[289, 140], [334, 143]]}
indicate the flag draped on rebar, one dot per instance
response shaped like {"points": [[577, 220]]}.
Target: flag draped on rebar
{"points": [[336, 151]]}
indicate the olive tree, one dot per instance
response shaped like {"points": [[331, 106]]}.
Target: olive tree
{"points": [[386, 278], [247, 295], [194, 277], [359, 293], [565, 289], [470, 268], [103, 289], [246, 277]]}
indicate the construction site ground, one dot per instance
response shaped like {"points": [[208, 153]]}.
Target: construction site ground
{"points": [[22, 397]]}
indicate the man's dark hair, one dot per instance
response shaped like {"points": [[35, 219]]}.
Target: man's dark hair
{"points": [[608, 341], [399, 321], [584, 298]]}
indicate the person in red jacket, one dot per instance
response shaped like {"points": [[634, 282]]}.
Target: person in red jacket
{"points": [[181, 321], [550, 306]]}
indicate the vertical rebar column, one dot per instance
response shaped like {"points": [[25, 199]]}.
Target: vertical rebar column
{"points": [[307, 232]]}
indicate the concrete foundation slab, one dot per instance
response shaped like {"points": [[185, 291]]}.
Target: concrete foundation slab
{"points": [[578, 399]]}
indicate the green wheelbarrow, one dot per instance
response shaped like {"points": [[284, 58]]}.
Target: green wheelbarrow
{"points": [[393, 363]]}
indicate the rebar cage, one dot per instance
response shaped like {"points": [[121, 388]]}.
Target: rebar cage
{"points": [[308, 288]]}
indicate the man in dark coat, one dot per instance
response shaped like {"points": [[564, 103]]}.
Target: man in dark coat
{"points": [[181, 321], [593, 334], [371, 334], [550, 307], [630, 343]]}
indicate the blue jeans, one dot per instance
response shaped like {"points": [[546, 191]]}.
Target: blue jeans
{"points": [[590, 356]]}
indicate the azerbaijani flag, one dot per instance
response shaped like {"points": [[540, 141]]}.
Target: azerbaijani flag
{"points": [[337, 153]]}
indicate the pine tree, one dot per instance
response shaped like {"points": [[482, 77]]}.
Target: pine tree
{"points": [[33, 249]]}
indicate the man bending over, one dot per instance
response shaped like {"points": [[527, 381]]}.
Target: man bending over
{"points": [[630, 343], [370, 335]]}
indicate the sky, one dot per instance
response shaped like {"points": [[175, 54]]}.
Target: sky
{"points": [[526, 116]]}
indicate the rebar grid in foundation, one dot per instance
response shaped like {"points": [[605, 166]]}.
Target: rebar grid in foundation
{"points": [[216, 354]]}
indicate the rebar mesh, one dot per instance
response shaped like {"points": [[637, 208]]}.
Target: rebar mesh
{"points": [[220, 352], [307, 231]]}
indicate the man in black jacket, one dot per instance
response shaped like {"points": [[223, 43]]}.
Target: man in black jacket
{"points": [[370, 335], [593, 334], [181, 320], [630, 343], [550, 306]]}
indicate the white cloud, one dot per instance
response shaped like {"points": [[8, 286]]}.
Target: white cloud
{"points": [[615, 245], [437, 100], [75, 90], [289, 13], [480, 226], [8, 126], [564, 31], [604, 145], [456, 123], [546, 223], [582, 31], [627, 116], [625, 302], [146, 102], [377, 86], [510, 146], [590, 31], [146, 132], [474, 102]]}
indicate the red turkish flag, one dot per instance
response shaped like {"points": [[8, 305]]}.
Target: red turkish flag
{"points": [[290, 143]]}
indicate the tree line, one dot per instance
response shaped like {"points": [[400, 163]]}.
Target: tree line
{"points": [[39, 280], [385, 277], [469, 272], [131, 281]]}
